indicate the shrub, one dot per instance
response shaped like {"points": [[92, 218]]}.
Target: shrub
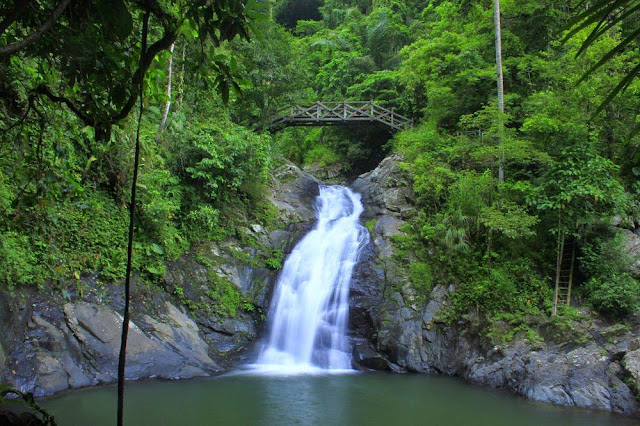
{"points": [[222, 159], [614, 296], [322, 155], [610, 289], [18, 262]]}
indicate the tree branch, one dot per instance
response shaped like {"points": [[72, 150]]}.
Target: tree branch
{"points": [[44, 90], [164, 43], [14, 47]]}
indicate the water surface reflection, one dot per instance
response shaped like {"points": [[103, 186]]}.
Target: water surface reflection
{"points": [[349, 399]]}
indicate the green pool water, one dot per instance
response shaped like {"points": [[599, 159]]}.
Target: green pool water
{"points": [[347, 399]]}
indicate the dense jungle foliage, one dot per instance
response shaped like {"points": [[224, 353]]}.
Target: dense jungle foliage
{"points": [[68, 119]]}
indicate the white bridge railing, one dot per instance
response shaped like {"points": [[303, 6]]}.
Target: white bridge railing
{"points": [[337, 113]]}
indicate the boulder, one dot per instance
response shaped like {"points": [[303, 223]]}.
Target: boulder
{"points": [[631, 364], [631, 242], [170, 348], [294, 193]]}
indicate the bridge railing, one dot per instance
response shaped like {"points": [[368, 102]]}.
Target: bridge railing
{"points": [[339, 112]]}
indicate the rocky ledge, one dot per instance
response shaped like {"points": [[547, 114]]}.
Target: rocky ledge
{"points": [[55, 339], [585, 363]]}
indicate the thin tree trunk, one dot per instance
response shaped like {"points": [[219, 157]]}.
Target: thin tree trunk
{"points": [[180, 82], [168, 103], [500, 81], [132, 215]]}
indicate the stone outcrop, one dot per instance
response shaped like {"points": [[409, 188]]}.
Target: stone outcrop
{"points": [[631, 242], [52, 340], [592, 366]]}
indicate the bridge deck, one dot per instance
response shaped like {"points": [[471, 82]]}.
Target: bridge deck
{"points": [[339, 113]]}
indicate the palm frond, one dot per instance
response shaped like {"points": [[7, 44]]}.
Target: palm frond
{"points": [[626, 81], [603, 15], [600, 29], [611, 53]]}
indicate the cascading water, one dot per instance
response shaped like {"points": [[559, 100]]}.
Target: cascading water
{"points": [[309, 311]]}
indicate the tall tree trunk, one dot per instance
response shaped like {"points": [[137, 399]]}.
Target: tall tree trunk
{"points": [[500, 81], [132, 217], [167, 105]]}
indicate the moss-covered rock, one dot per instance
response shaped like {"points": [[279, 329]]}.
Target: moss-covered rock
{"points": [[569, 360], [207, 309]]}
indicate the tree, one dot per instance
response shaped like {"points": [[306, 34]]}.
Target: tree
{"points": [[604, 16], [88, 60], [87, 56], [500, 84]]}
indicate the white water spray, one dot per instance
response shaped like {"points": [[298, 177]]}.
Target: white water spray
{"points": [[310, 307]]}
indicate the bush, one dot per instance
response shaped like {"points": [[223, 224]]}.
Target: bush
{"points": [[512, 287], [202, 223], [19, 264], [223, 159], [321, 155], [87, 236], [610, 289], [614, 296]]}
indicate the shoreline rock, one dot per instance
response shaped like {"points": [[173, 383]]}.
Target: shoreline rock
{"points": [[53, 340], [601, 371]]}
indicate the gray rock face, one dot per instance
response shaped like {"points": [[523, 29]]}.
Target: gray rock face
{"points": [[52, 341], [631, 364], [406, 332], [80, 348], [294, 192], [374, 268], [328, 173], [631, 241]]}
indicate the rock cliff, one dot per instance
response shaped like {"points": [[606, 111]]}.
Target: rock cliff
{"points": [[590, 364], [53, 339]]}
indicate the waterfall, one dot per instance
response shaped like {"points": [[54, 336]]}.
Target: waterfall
{"points": [[310, 307]]}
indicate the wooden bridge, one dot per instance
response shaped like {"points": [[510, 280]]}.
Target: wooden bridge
{"points": [[339, 113]]}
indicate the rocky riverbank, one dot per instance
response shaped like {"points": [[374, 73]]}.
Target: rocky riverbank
{"points": [[54, 339], [583, 362]]}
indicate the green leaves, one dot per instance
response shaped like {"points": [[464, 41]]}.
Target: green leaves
{"points": [[224, 158], [581, 184], [509, 219], [604, 16], [116, 17]]}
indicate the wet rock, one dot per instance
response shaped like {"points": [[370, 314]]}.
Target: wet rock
{"points": [[56, 364], [171, 348], [385, 189], [3, 357], [328, 173], [622, 398], [364, 356], [294, 192]]}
